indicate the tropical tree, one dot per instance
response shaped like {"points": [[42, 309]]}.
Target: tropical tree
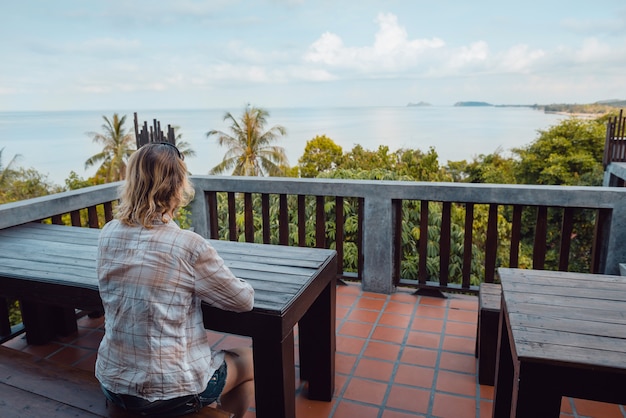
{"points": [[490, 168], [26, 183], [5, 171], [118, 145], [569, 153], [360, 158], [321, 154], [250, 150], [183, 146], [421, 166]]}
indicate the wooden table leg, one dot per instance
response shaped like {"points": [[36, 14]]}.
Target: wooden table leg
{"points": [[504, 372], [44, 322], [274, 377], [318, 345], [536, 394], [522, 389]]}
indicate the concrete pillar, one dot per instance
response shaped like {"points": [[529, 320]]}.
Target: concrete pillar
{"points": [[377, 245]]}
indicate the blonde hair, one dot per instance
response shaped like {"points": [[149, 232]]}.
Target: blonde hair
{"points": [[156, 183]]}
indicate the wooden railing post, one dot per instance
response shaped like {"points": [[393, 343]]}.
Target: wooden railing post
{"points": [[615, 143]]}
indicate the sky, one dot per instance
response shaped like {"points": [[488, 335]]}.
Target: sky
{"points": [[196, 54]]}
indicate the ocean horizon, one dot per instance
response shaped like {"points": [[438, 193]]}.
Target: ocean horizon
{"points": [[57, 142]]}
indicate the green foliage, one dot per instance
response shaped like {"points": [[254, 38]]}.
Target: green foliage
{"points": [[290, 171], [361, 159], [25, 184], [420, 166], [18, 183], [359, 174], [490, 168], [74, 181], [183, 218], [321, 154], [15, 314], [569, 153]]}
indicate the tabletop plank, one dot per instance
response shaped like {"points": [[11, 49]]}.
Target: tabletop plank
{"points": [[596, 327], [568, 302], [581, 290], [571, 356], [521, 274], [573, 319], [614, 316], [565, 338]]}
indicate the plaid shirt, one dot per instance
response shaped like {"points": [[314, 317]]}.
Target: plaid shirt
{"points": [[151, 283]]}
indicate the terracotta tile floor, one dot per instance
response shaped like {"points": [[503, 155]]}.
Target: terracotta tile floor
{"points": [[398, 356]]}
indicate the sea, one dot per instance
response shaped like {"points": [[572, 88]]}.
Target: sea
{"points": [[58, 142]]}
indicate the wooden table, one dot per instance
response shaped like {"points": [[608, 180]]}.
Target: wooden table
{"points": [[561, 334], [55, 265]]}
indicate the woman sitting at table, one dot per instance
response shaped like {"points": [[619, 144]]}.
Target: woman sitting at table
{"points": [[154, 358]]}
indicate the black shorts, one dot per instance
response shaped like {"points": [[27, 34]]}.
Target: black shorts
{"points": [[173, 407]]}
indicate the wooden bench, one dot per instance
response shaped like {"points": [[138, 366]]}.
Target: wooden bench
{"points": [[33, 387], [489, 296]]}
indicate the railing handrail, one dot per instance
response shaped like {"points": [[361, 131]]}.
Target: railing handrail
{"points": [[37, 208], [509, 194], [16, 213]]}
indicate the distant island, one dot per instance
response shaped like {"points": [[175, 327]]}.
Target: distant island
{"points": [[598, 108], [418, 104], [472, 104]]}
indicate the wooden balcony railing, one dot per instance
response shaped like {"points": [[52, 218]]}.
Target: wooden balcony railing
{"points": [[302, 212], [381, 205], [615, 145]]}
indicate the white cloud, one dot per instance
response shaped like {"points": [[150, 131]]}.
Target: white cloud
{"points": [[592, 50], [464, 56], [518, 59], [326, 50], [394, 53], [392, 49]]}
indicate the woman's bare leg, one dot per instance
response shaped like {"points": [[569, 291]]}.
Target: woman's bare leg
{"points": [[238, 391]]}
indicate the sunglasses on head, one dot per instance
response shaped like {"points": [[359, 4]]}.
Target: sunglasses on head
{"points": [[180, 155]]}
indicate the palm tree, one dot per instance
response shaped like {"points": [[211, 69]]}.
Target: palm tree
{"points": [[118, 145], [5, 171], [183, 146], [249, 148]]}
